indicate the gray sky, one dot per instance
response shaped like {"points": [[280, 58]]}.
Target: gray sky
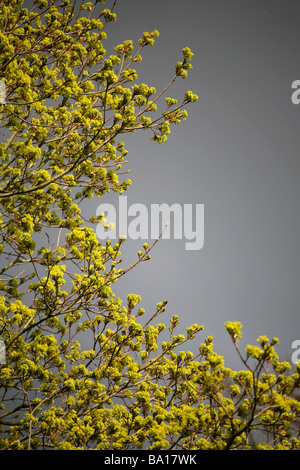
{"points": [[237, 153]]}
